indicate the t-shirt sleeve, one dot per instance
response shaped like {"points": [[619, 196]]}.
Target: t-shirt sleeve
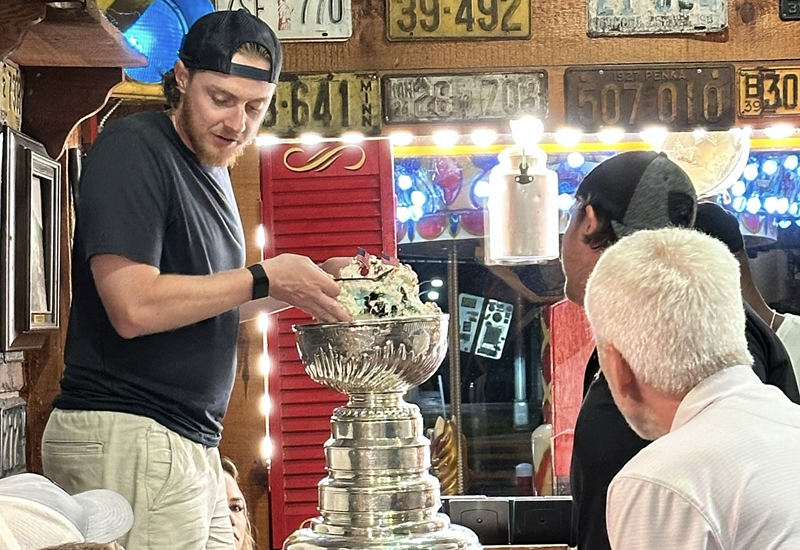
{"points": [[122, 203], [644, 515]]}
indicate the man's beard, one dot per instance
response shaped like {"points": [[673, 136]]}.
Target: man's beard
{"points": [[207, 156]]}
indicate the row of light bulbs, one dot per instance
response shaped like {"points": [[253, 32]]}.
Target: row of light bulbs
{"points": [[524, 130]]}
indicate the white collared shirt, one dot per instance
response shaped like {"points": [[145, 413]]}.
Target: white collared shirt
{"points": [[789, 333], [726, 477]]}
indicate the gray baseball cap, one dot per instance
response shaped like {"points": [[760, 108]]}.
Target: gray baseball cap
{"points": [[640, 190]]}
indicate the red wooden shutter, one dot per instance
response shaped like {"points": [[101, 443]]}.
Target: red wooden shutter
{"points": [[321, 201]]}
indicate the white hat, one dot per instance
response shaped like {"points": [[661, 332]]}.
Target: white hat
{"points": [[35, 513]]}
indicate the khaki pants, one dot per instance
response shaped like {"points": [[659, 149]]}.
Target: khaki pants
{"points": [[175, 486]]}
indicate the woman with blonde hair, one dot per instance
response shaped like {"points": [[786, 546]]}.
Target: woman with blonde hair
{"points": [[240, 520]]}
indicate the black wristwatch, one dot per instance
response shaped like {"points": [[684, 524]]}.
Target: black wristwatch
{"points": [[260, 281]]}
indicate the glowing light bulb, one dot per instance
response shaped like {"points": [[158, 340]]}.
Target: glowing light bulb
{"points": [[401, 139], [771, 204], [267, 140], [483, 137], [738, 189], [418, 198], [265, 405], [437, 283], [416, 212], [264, 364], [405, 182], [753, 205], [403, 214], [353, 137], [445, 139], [575, 160], [565, 202], [790, 162], [266, 448], [263, 322], [783, 206], [610, 136], [568, 137], [779, 131], [433, 295], [261, 237], [310, 138], [527, 130], [750, 172], [739, 204], [654, 137], [482, 189], [770, 167]]}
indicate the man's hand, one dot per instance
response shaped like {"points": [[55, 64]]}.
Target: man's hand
{"points": [[335, 265], [298, 281]]}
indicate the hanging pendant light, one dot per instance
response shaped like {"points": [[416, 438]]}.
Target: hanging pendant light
{"points": [[521, 214]]}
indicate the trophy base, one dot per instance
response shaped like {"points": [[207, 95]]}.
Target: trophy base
{"points": [[450, 537]]}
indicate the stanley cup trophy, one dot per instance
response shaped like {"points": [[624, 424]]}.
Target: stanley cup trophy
{"points": [[379, 493]]}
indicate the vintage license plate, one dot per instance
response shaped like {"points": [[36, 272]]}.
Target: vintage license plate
{"points": [[325, 103], [10, 95], [766, 91], [679, 97], [628, 17], [318, 20], [465, 97], [454, 19], [790, 10]]}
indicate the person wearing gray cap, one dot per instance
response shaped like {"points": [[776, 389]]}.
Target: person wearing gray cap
{"points": [[35, 513], [624, 194], [159, 286]]}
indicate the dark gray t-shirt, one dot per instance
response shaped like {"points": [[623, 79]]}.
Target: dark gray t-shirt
{"points": [[145, 196]]}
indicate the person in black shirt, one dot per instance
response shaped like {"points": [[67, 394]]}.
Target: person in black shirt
{"points": [[627, 193], [160, 286]]}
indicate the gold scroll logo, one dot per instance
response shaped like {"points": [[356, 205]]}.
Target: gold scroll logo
{"points": [[323, 159]]}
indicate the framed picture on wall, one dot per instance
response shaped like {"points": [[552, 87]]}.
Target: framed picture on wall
{"points": [[30, 250]]}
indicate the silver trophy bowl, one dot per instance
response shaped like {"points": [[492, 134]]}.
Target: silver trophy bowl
{"points": [[373, 356], [379, 493]]}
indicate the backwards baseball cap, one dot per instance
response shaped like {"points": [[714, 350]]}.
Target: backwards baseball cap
{"points": [[640, 190], [35, 513], [214, 38], [717, 222]]}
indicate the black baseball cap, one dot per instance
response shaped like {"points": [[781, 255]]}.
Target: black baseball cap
{"points": [[640, 190], [717, 222], [214, 38]]}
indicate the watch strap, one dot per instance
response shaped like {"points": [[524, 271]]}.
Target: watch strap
{"points": [[260, 281]]}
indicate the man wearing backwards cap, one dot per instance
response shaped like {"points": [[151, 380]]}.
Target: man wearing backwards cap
{"points": [[35, 513], [624, 194], [158, 281]]}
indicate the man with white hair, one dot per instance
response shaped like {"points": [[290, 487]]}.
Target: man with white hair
{"points": [[723, 472]]}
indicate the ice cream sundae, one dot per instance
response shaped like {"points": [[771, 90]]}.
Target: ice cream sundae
{"points": [[375, 289]]}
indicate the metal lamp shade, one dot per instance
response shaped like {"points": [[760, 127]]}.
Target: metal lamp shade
{"points": [[521, 218]]}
